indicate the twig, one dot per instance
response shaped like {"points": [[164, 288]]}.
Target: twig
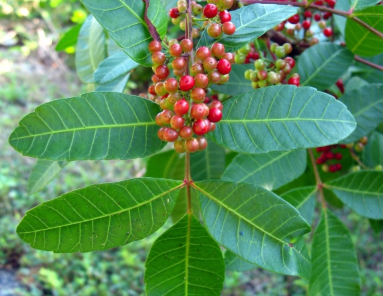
{"points": [[368, 27], [357, 159], [152, 29], [368, 63], [318, 179]]}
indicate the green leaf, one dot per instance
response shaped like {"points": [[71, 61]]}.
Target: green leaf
{"points": [[251, 21], [303, 199], [237, 83], [116, 85], [256, 225], [355, 83], [185, 260], [113, 48], [322, 65], [268, 170], [43, 173], [361, 191], [376, 225], [113, 67], [208, 164], [69, 38], [340, 21], [168, 165], [361, 4], [334, 262], [234, 263], [125, 24], [370, 74], [373, 151], [100, 217], [366, 105], [94, 126], [90, 51], [360, 40], [281, 118]]}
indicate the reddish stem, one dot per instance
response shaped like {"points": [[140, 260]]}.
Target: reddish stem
{"points": [[318, 179], [152, 29], [368, 63]]}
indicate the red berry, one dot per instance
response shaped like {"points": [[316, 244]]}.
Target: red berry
{"points": [[215, 30], [212, 127], [175, 50], [319, 2], [162, 72], [307, 14], [200, 127], [338, 166], [290, 61], [229, 57], [171, 85], [179, 146], [201, 80], [196, 68], [320, 160], [216, 104], [198, 95], [210, 64], [327, 32], [317, 17], [198, 111], [202, 143], [333, 168], [343, 146], [318, 149], [338, 156], [327, 15], [152, 90], [154, 46], [158, 58], [186, 45], [202, 53], [191, 145], [174, 12], [228, 28], [224, 67], [225, 16], [215, 115], [160, 133], [179, 63], [331, 3], [218, 50], [293, 81], [186, 132], [181, 107], [279, 27], [294, 19], [306, 24], [170, 135], [186, 83], [177, 122], [210, 11]]}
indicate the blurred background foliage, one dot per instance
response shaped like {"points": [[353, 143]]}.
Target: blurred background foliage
{"points": [[32, 73]]}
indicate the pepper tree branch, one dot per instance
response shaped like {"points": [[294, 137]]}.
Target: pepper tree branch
{"points": [[318, 179], [368, 63], [152, 29], [306, 5]]}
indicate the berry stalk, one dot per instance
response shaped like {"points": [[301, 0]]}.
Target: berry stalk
{"points": [[318, 179]]}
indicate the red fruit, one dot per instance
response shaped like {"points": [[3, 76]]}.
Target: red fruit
{"points": [[214, 77], [154, 46], [191, 145], [343, 146], [225, 16], [186, 83], [201, 80], [230, 57], [212, 127], [218, 50], [152, 90], [331, 3], [293, 81], [327, 15], [210, 64], [162, 72], [330, 155], [340, 85], [228, 28], [181, 107], [179, 146], [294, 19], [174, 12], [290, 61], [158, 58], [215, 115], [170, 135], [186, 45], [210, 11], [216, 104], [200, 127], [319, 2], [306, 24], [186, 132], [224, 67], [327, 32], [198, 111], [214, 30], [338, 166], [318, 149], [333, 168], [202, 143], [175, 50], [279, 27], [307, 14], [317, 17], [171, 85], [320, 160], [177, 122], [202, 53], [196, 68], [338, 155], [208, 123], [166, 116]]}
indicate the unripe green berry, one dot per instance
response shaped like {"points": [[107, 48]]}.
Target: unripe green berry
{"points": [[379, 167], [272, 77], [280, 51], [273, 47], [254, 76], [248, 74], [359, 147], [355, 168], [263, 83], [288, 48], [259, 64], [245, 50], [325, 168], [239, 58], [280, 64], [254, 85]]}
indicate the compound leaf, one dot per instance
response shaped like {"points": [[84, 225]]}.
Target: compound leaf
{"points": [[281, 118], [185, 260], [94, 126], [268, 170], [361, 191], [100, 217], [334, 262], [256, 225]]}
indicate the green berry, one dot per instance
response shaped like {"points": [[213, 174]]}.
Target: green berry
{"points": [[239, 58], [272, 77], [379, 167], [280, 51], [260, 64], [248, 74], [273, 47], [245, 50]]}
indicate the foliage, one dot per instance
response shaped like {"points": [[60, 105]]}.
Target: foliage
{"points": [[270, 132]]}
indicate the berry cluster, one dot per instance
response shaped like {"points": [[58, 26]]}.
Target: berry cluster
{"points": [[305, 22], [359, 146], [328, 155], [270, 73], [213, 16], [186, 109], [246, 54]]}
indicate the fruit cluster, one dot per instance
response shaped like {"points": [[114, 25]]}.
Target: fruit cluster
{"points": [[328, 155], [213, 17], [270, 73], [359, 146], [246, 54], [186, 109], [305, 22]]}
